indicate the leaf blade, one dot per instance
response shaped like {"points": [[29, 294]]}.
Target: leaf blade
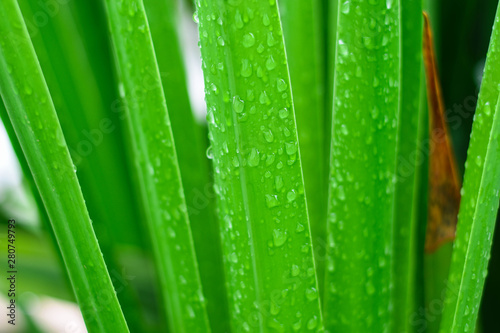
{"points": [[479, 204], [155, 161], [45, 149], [301, 29], [191, 155], [363, 167], [262, 209]]}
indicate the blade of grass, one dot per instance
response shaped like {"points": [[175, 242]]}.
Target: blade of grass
{"points": [[302, 30], [155, 160], [480, 198], [163, 22], [417, 318], [363, 168], [266, 239], [331, 7], [35, 122], [408, 159], [92, 130]]}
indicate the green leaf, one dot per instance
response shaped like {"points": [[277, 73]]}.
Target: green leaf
{"points": [[155, 161], [163, 18], [330, 25], [479, 204], [409, 158], [258, 177], [301, 28], [91, 127], [35, 122], [363, 167]]}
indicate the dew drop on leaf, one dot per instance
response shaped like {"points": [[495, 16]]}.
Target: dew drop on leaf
{"points": [[283, 113], [281, 85], [210, 154], [246, 68], [248, 40], [253, 158], [279, 237], [272, 200], [238, 104]]}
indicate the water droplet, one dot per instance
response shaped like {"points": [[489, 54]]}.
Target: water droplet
{"points": [[487, 109], [210, 153], [220, 41], [479, 160], [341, 193], [278, 182], [279, 237], [171, 232], [237, 20], [368, 42], [297, 326], [121, 89], [265, 20], [268, 135], [281, 85], [253, 158], [295, 270], [270, 39], [291, 195], [238, 104], [344, 130], [190, 311], [346, 7], [246, 68], [291, 148], [263, 99], [272, 200], [312, 323], [283, 113], [311, 294], [248, 40], [343, 50], [270, 63], [270, 159]]}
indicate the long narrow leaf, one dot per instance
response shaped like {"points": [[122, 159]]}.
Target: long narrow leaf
{"points": [[301, 28], [266, 239], [92, 130], [331, 7], [34, 119], [408, 160], [363, 167], [155, 161], [479, 205], [163, 21]]}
